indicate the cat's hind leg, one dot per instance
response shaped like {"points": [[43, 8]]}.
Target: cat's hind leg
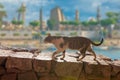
{"points": [[90, 50], [63, 55], [83, 51], [56, 52]]}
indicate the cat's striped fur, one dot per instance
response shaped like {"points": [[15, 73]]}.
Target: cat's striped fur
{"points": [[76, 43]]}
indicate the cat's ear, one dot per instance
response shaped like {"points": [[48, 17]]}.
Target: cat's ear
{"points": [[49, 34]]}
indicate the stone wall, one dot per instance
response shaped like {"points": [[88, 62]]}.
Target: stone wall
{"points": [[15, 68]]}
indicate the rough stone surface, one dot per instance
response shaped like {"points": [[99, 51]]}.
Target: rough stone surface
{"points": [[68, 69], [11, 70], [18, 68], [48, 77], [2, 70], [9, 77], [42, 66], [98, 70], [27, 76], [19, 63], [116, 67], [2, 60], [115, 70]]}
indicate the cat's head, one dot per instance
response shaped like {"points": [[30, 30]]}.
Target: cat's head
{"points": [[48, 39]]}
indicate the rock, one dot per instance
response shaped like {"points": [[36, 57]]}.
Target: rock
{"points": [[42, 66], [48, 77], [9, 77], [68, 69], [25, 50], [118, 77], [104, 58], [11, 70], [96, 70], [2, 70], [27, 76], [116, 67], [19, 63], [2, 60], [116, 70]]}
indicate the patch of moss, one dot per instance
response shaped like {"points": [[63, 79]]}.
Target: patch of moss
{"points": [[16, 34], [3, 34], [73, 33], [25, 34]]}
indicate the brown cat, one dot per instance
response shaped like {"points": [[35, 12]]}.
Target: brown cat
{"points": [[75, 43]]}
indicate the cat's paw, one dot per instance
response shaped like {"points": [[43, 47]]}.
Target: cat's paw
{"points": [[61, 58], [94, 59], [79, 59], [54, 58]]}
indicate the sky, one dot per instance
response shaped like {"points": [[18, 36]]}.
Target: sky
{"points": [[87, 8]]}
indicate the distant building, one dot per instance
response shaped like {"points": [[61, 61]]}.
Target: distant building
{"points": [[24, 12], [57, 16], [41, 21], [44, 26], [77, 15], [91, 19], [98, 16]]}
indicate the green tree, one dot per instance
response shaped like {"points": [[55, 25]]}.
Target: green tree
{"points": [[92, 23], [76, 23], [84, 23], [21, 22], [14, 22], [89, 23], [2, 13], [64, 22], [34, 23], [112, 14], [51, 24], [17, 22], [106, 22]]}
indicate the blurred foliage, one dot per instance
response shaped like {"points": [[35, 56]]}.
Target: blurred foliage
{"points": [[106, 22], [26, 34], [73, 33], [2, 13], [51, 24], [75, 23], [34, 23], [16, 34], [112, 14], [84, 23], [112, 18], [89, 23], [17, 22], [3, 34], [36, 35], [57, 34]]}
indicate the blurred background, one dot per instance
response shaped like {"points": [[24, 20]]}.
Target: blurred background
{"points": [[25, 23]]}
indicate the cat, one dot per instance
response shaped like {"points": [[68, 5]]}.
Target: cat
{"points": [[75, 43]]}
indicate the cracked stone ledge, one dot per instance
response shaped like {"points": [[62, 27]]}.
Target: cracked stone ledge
{"points": [[28, 65]]}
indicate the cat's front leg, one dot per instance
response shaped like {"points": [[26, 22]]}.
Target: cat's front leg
{"points": [[63, 55], [56, 52], [53, 56]]}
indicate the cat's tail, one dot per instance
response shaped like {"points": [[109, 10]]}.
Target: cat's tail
{"points": [[97, 44]]}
